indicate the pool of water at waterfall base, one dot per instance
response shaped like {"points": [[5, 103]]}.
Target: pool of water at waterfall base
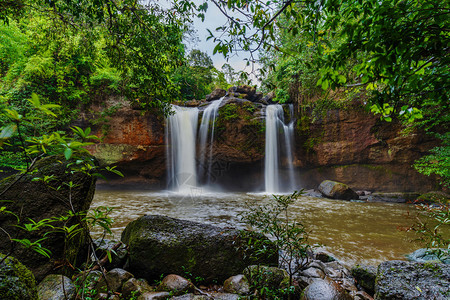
{"points": [[353, 232]]}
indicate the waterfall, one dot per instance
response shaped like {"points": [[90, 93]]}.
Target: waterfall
{"points": [[181, 132], [207, 126], [278, 146]]}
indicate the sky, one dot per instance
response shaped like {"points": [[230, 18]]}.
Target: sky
{"points": [[213, 19]]}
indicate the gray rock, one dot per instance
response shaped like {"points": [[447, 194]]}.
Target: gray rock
{"points": [[392, 197], [409, 280], [237, 285], [56, 287], [154, 296], [135, 287], [176, 285], [163, 245], [113, 281], [365, 277], [216, 94], [16, 281], [337, 190], [430, 255], [325, 289], [313, 273]]}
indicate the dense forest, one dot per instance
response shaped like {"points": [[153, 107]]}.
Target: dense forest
{"points": [[394, 52], [59, 58]]}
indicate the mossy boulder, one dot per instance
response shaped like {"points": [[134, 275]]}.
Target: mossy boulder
{"points": [[162, 245], [337, 190], [30, 197], [16, 281]]}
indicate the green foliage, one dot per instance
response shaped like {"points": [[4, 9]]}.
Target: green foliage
{"points": [[432, 224], [438, 161], [290, 237]]}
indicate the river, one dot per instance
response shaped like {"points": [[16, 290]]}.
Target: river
{"points": [[354, 232]]}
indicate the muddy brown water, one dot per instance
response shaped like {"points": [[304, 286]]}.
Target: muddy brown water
{"points": [[353, 232]]}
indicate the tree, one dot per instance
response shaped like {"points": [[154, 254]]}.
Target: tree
{"points": [[142, 41], [396, 50]]}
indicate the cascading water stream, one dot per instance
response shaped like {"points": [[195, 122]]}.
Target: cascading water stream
{"points": [[181, 133], [206, 137], [276, 146], [271, 159]]}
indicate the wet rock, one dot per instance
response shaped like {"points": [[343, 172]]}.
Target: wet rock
{"points": [[135, 287], [337, 190], [163, 245], [114, 280], [270, 277], [430, 255], [216, 94], [56, 287], [16, 281], [237, 285], [36, 200], [154, 296], [325, 289], [365, 277], [324, 257], [176, 285], [409, 280], [392, 197]]}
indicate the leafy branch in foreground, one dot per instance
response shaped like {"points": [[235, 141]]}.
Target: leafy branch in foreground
{"points": [[289, 236]]}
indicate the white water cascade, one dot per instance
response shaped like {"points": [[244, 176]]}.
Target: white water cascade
{"points": [[181, 134], [278, 146], [206, 137]]}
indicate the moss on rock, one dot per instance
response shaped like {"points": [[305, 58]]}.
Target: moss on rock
{"points": [[16, 281]]}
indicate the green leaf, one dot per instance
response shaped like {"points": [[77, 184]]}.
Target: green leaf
{"points": [[68, 153]]}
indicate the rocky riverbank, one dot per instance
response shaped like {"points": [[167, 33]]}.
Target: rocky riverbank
{"points": [[165, 258]]}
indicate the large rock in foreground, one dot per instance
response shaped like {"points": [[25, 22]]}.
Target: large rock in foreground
{"points": [[28, 196], [162, 245], [337, 190], [408, 280]]}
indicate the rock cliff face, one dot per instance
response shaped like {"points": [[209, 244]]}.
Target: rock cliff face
{"points": [[356, 147], [348, 145], [131, 139]]}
